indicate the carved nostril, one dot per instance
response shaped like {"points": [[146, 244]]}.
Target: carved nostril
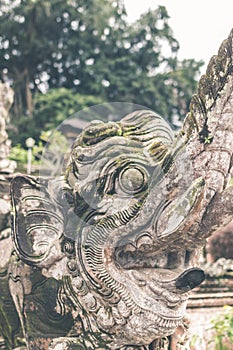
{"points": [[190, 279]]}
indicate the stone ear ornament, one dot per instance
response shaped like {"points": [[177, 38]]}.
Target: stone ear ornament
{"points": [[38, 221]]}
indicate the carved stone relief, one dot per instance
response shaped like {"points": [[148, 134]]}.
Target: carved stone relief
{"points": [[105, 256]]}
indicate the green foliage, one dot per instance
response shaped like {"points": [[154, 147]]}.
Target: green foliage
{"points": [[46, 44], [53, 153], [218, 335], [53, 141], [61, 56], [175, 90], [56, 105], [223, 330], [50, 110], [18, 154]]}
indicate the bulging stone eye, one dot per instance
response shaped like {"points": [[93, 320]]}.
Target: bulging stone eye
{"points": [[132, 180]]}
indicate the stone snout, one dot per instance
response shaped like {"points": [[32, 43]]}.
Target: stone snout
{"points": [[186, 281]]}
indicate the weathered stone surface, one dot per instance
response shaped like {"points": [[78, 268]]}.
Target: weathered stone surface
{"points": [[6, 166], [105, 256], [6, 100], [9, 320]]}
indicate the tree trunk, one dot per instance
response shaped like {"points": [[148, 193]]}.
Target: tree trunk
{"points": [[29, 100]]}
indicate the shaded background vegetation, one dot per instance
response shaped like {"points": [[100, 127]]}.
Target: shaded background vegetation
{"points": [[61, 56]]}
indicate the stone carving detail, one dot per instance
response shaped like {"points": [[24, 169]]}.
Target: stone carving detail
{"points": [[9, 321], [105, 257], [93, 239], [6, 100], [6, 166]]}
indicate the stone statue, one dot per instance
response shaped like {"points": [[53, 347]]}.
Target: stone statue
{"points": [[105, 256], [6, 100], [8, 319]]}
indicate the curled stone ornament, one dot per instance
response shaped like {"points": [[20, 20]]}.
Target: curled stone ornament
{"points": [[105, 255]]}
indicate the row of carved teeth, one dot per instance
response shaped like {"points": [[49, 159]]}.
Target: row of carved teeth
{"points": [[166, 322], [142, 240], [131, 257], [147, 259], [172, 299]]}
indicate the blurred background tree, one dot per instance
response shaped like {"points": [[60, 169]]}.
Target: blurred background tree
{"points": [[61, 56]]}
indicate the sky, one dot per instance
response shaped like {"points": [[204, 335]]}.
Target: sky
{"points": [[199, 26]]}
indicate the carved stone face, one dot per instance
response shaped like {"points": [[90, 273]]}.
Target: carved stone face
{"points": [[106, 256], [113, 231], [133, 204]]}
